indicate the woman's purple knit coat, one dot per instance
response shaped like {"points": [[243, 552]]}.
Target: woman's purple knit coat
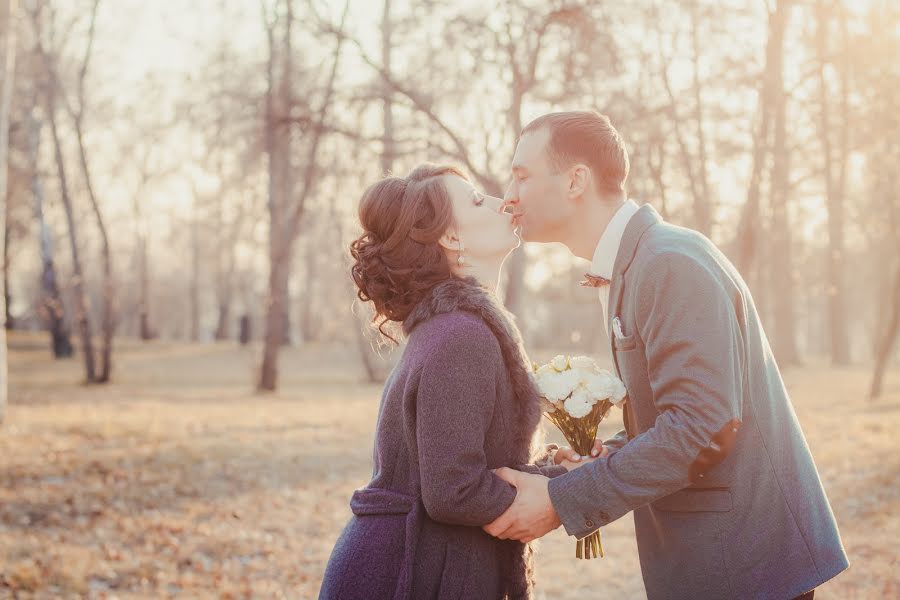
{"points": [[459, 403]]}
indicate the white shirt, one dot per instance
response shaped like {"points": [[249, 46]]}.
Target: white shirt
{"points": [[605, 254]]}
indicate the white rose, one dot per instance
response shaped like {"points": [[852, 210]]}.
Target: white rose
{"points": [[544, 370], [556, 386], [584, 363], [580, 404], [600, 385], [560, 362]]}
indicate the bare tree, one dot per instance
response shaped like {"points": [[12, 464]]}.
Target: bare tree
{"points": [[227, 117], [693, 161], [364, 341], [287, 197], [782, 267], [388, 150], [888, 331], [51, 305], [148, 173], [51, 92], [835, 174], [77, 113], [9, 24], [55, 93], [889, 336], [877, 76], [194, 288], [750, 223]]}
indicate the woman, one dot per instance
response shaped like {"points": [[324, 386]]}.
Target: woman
{"points": [[459, 403]]}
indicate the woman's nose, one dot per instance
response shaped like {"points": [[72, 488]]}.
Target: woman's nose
{"points": [[510, 195], [494, 203]]}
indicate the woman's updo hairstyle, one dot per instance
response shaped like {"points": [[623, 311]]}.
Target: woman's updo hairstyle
{"points": [[397, 259]]}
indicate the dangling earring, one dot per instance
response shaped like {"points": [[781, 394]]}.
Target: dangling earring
{"points": [[461, 260]]}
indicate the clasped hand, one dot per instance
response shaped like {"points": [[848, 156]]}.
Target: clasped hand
{"points": [[531, 515]]}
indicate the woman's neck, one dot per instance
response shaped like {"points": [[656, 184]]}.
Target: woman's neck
{"points": [[486, 272]]}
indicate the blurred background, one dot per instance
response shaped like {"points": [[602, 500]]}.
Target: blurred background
{"points": [[191, 388]]}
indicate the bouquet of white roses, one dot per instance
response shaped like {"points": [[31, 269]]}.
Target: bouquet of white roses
{"points": [[576, 395]]}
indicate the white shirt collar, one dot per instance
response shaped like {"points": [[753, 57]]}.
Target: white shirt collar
{"points": [[605, 254]]}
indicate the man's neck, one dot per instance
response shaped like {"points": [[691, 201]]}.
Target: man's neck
{"points": [[588, 226]]}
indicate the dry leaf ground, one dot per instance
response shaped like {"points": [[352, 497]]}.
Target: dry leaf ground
{"points": [[179, 481]]}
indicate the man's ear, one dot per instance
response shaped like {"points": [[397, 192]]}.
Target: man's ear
{"points": [[579, 180]]}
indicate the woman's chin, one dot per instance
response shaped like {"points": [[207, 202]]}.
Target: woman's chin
{"points": [[517, 237]]}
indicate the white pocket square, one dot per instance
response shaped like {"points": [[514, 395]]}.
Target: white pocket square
{"points": [[617, 328]]}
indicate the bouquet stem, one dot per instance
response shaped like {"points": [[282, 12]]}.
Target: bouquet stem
{"points": [[580, 433], [589, 547]]}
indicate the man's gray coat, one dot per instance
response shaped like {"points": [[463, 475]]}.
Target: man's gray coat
{"points": [[727, 501]]}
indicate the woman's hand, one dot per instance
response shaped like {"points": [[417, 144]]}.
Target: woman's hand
{"points": [[572, 465], [567, 455]]}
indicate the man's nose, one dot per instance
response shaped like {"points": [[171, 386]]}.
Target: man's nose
{"points": [[510, 197]]}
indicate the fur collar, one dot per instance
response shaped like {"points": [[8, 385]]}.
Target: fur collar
{"points": [[468, 295]]}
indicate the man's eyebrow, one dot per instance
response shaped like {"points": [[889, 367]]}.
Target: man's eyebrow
{"points": [[518, 168]]}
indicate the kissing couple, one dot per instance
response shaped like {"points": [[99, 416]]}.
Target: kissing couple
{"points": [[711, 461]]}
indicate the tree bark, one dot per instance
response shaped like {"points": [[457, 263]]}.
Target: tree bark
{"points": [[308, 322], [245, 334], [8, 319], [276, 321], [223, 325], [194, 290], [145, 329]]}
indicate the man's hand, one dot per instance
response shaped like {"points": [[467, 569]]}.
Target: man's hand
{"points": [[531, 515]]}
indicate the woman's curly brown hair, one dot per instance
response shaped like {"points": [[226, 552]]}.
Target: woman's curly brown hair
{"points": [[397, 259]]}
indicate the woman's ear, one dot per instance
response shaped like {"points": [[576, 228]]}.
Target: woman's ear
{"points": [[579, 180], [450, 241]]}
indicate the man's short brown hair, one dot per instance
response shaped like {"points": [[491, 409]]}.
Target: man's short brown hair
{"points": [[586, 136]]}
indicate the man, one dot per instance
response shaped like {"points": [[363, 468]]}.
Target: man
{"points": [[726, 498]]}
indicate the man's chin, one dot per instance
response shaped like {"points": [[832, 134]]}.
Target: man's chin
{"points": [[542, 233], [522, 232], [529, 234]]}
